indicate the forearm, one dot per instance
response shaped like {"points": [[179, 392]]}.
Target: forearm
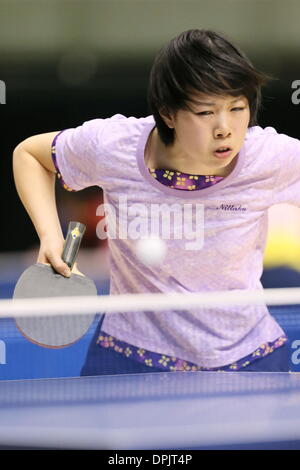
{"points": [[36, 188]]}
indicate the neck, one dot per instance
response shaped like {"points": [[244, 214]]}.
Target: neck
{"points": [[160, 157]]}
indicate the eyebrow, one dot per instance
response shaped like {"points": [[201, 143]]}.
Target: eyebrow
{"points": [[204, 103]]}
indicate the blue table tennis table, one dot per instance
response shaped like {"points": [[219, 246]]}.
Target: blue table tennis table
{"points": [[168, 410]]}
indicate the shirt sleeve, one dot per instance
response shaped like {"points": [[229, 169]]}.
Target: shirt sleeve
{"points": [[287, 167], [79, 154]]}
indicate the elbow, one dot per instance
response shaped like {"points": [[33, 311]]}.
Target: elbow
{"points": [[18, 157], [17, 150]]}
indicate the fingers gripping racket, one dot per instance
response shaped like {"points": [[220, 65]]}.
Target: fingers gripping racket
{"points": [[41, 280]]}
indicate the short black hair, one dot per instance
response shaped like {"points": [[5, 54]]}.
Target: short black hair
{"points": [[200, 60]]}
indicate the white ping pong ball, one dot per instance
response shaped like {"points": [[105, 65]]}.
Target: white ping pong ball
{"points": [[151, 251]]}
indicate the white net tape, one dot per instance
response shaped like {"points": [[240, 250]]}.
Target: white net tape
{"points": [[141, 302]]}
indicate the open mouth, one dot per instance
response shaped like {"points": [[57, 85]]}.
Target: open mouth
{"points": [[223, 152]]}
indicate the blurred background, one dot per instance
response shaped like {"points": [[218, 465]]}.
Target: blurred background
{"points": [[65, 62]]}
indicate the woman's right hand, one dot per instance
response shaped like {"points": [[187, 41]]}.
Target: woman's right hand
{"points": [[50, 253]]}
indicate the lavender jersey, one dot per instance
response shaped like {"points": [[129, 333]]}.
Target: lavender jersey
{"points": [[109, 153]]}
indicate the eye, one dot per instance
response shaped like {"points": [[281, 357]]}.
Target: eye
{"points": [[207, 113], [204, 113]]}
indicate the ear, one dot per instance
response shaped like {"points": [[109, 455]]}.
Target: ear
{"points": [[168, 117]]}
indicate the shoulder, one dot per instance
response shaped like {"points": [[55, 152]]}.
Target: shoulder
{"points": [[266, 152], [269, 142], [131, 121], [261, 133], [115, 125], [268, 137], [120, 126], [121, 133], [258, 141], [106, 134], [112, 133]]}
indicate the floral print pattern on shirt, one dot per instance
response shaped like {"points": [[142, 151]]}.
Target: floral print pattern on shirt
{"points": [[172, 364], [185, 181]]}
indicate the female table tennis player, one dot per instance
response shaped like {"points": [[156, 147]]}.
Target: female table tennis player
{"points": [[204, 96]]}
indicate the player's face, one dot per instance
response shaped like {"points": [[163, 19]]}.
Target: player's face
{"points": [[213, 122]]}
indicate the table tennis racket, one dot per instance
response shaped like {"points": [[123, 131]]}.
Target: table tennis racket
{"points": [[41, 280]]}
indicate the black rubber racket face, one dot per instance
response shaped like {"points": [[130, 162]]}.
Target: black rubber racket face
{"points": [[41, 280]]}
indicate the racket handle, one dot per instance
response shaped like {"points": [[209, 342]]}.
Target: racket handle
{"points": [[72, 243]]}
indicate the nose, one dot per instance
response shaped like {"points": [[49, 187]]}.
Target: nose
{"points": [[222, 129], [222, 133]]}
